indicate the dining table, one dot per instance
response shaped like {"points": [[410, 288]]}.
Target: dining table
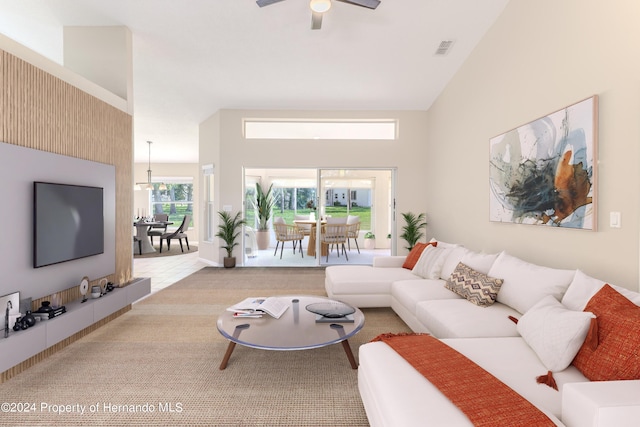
{"points": [[142, 228], [311, 247]]}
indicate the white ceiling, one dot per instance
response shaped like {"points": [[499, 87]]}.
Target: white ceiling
{"points": [[195, 57]]}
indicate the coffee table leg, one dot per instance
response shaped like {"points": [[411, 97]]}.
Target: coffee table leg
{"points": [[227, 355], [347, 349]]}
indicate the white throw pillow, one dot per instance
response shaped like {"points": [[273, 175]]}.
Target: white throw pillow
{"points": [[430, 263], [525, 284], [444, 245], [583, 287], [453, 259], [554, 332], [479, 261]]}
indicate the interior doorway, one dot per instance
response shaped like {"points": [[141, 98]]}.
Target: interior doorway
{"points": [[312, 195]]}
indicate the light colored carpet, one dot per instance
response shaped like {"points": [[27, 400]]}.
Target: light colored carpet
{"points": [[158, 365]]}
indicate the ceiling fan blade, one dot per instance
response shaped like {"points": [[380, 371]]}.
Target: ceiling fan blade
{"points": [[263, 3], [316, 20], [370, 4]]}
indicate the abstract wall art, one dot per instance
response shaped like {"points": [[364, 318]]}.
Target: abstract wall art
{"points": [[544, 172]]}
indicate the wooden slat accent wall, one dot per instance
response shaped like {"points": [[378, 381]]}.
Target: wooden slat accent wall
{"points": [[38, 110]]}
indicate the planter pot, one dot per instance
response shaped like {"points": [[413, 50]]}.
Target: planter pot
{"points": [[229, 262], [263, 239], [369, 243]]}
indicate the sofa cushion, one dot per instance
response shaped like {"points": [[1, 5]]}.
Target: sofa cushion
{"points": [[525, 284], [513, 362], [476, 287], [410, 292], [479, 261], [453, 259], [364, 279], [554, 332], [399, 395], [430, 263], [442, 244], [617, 355], [583, 287], [458, 318], [414, 255]]}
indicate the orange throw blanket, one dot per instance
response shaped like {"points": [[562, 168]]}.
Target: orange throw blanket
{"points": [[483, 398]]}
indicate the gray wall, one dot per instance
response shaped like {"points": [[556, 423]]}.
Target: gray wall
{"points": [[19, 167]]}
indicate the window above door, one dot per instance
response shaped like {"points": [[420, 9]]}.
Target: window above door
{"points": [[383, 129]]}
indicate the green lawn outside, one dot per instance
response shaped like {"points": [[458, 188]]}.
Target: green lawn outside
{"points": [[334, 211], [181, 211]]}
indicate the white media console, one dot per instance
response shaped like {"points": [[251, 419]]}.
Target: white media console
{"points": [[23, 344]]}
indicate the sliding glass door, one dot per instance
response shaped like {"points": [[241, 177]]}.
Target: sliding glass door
{"points": [[302, 196]]}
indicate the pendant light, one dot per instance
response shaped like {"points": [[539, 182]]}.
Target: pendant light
{"points": [[148, 185]]}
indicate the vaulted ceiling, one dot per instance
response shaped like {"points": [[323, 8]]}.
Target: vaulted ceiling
{"points": [[192, 58]]}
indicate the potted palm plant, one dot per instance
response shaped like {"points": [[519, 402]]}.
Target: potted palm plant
{"points": [[412, 231], [229, 231], [264, 202]]}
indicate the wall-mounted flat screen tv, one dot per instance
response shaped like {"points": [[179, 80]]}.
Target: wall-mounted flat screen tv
{"points": [[68, 222]]}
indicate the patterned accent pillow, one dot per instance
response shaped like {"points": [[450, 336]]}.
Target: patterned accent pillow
{"points": [[617, 354], [414, 255], [473, 285]]}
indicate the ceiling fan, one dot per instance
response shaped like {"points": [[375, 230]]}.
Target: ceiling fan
{"points": [[319, 7]]}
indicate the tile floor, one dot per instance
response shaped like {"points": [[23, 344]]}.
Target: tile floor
{"points": [[166, 271]]}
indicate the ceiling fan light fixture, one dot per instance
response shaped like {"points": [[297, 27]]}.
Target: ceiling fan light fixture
{"points": [[320, 6]]}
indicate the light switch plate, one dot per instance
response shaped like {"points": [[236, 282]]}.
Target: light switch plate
{"points": [[614, 220]]}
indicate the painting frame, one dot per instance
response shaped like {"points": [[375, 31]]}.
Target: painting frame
{"points": [[14, 310], [544, 172]]}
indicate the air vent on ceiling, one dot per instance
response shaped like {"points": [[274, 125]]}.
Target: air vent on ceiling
{"points": [[444, 48]]}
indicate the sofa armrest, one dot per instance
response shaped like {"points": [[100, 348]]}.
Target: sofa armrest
{"points": [[601, 403], [389, 261]]}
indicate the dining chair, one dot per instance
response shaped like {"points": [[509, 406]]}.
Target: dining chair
{"points": [[304, 228], [158, 230], [353, 230], [180, 233], [287, 233], [139, 242], [335, 234]]}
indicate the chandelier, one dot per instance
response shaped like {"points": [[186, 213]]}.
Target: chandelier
{"points": [[148, 185]]}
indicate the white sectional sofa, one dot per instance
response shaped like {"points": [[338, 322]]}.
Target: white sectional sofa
{"points": [[552, 329]]}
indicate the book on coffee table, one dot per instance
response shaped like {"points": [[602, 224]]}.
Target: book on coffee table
{"points": [[273, 306]]}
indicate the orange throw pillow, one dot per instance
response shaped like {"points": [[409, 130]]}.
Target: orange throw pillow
{"points": [[617, 354], [415, 253]]}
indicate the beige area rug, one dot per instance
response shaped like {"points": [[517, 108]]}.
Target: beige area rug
{"points": [[157, 365], [175, 250]]}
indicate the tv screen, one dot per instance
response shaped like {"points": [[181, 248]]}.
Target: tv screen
{"points": [[68, 222]]}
